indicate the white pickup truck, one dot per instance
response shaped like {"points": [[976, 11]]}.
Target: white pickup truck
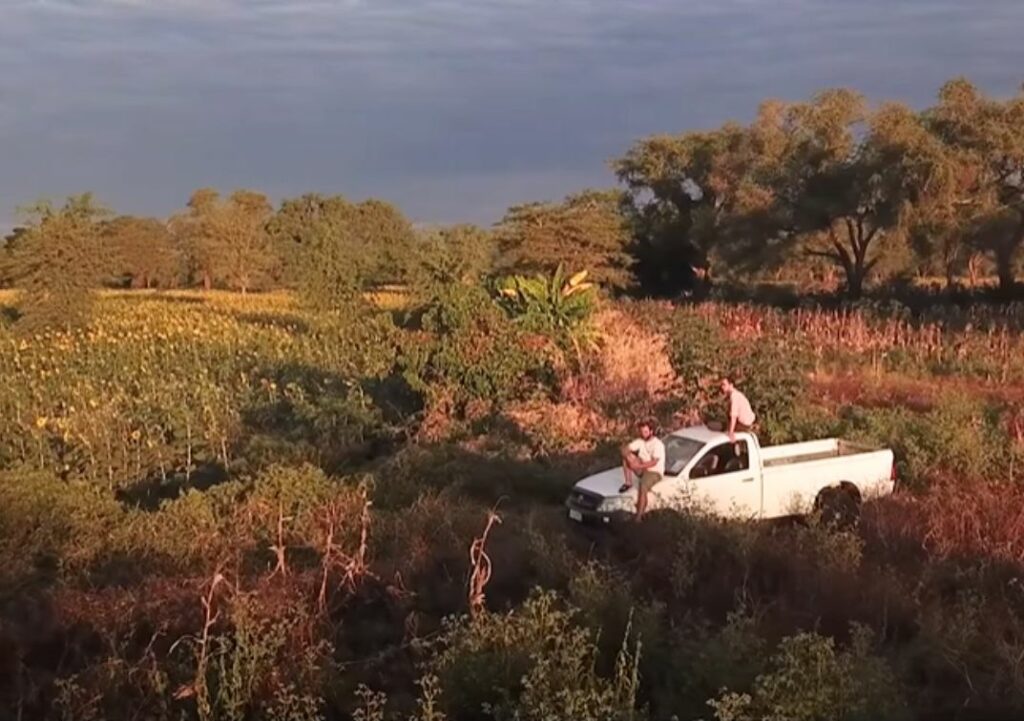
{"points": [[742, 480]]}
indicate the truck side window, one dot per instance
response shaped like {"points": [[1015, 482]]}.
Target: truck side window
{"points": [[723, 458]]}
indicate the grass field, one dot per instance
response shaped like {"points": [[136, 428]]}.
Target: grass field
{"points": [[217, 506]]}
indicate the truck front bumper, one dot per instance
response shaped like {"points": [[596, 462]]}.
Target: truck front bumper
{"points": [[583, 515]]}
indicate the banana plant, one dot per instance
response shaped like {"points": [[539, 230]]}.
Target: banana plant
{"points": [[558, 305]]}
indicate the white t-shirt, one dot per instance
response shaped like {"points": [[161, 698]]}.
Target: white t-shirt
{"points": [[649, 450], [739, 408]]}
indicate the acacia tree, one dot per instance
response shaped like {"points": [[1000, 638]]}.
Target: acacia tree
{"points": [[585, 231], [854, 190], [57, 262], [143, 249], [987, 137]]}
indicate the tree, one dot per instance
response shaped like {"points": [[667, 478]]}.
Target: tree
{"points": [[143, 250], [453, 254], [58, 261], [227, 242], [987, 137], [686, 194], [193, 230], [387, 237], [585, 231], [335, 249], [828, 179], [298, 223], [243, 256]]}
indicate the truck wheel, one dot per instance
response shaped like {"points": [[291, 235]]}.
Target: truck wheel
{"points": [[838, 506]]}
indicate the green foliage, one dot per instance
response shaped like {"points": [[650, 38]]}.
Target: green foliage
{"points": [[558, 306], [45, 522], [535, 663], [57, 263], [335, 249], [772, 372], [158, 391], [143, 250], [960, 435], [475, 352], [811, 680], [239, 668], [455, 254], [226, 242], [584, 231]]}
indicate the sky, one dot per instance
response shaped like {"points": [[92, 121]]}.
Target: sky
{"points": [[453, 109]]}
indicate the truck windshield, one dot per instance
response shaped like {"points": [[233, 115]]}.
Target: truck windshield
{"points": [[678, 452]]}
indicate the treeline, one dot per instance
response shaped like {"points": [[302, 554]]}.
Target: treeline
{"points": [[831, 186]]}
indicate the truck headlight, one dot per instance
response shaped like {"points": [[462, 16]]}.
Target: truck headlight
{"points": [[616, 504]]}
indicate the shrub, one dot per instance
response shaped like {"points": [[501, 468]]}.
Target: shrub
{"points": [[771, 371], [811, 680], [45, 521], [476, 352], [535, 663], [960, 435]]}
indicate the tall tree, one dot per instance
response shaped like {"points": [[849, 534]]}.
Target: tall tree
{"points": [[58, 261], [585, 231], [193, 232], [988, 137], [243, 257], [227, 241], [687, 193], [449, 255], [301, 221], [143, 250], [335, 249]]}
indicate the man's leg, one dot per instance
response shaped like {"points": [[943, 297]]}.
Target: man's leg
{"points": [[647, 481], [627, 474], [627, 469]]}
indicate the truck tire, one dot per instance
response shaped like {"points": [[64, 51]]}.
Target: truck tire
{"points": [[839, 505]]}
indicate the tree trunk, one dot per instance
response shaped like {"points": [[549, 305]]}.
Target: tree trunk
{"points": [[855, 282], [1007, 280]]}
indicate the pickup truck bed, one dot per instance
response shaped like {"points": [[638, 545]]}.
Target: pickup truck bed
{"points": [[792, 453]]}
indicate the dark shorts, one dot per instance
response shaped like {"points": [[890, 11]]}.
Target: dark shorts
{"points": [[649, 479]]}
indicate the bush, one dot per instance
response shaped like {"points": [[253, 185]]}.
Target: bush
{"points": [[475, 351], [534, 663], [45, 522], [960, 436], [810, 680], [771, 371]]}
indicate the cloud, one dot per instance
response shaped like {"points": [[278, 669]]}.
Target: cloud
{"points": [[454, 108]]}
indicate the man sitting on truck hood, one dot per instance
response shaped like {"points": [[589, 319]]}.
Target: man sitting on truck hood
{"points": [[644, 457], [741, 415]]}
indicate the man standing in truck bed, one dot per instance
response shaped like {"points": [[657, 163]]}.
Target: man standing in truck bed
{"points": [[644, 458]]}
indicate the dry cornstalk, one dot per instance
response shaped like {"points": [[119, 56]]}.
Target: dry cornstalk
{"points": [[356, 566], [198, 686], [481, 564]]}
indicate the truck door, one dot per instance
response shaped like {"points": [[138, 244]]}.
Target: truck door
{"points": [[723, 482]]}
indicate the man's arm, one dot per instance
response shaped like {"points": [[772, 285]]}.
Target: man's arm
{"points": [[733, 417], [644, 465]]}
